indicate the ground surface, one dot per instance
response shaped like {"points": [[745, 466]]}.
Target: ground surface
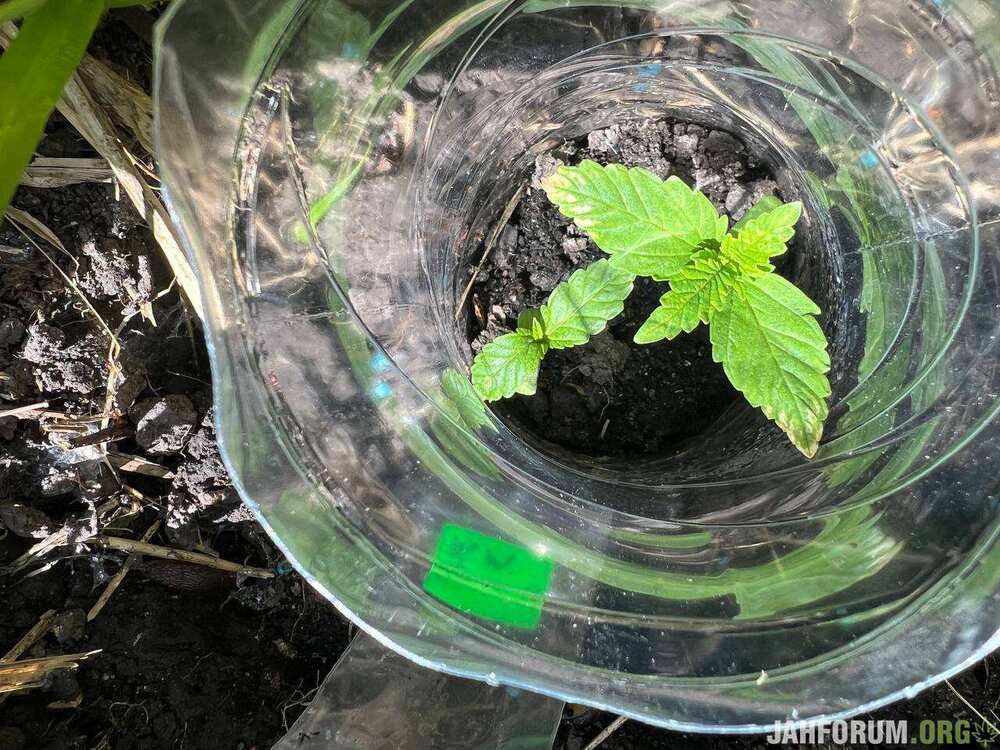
{"points": [[190, 657]]}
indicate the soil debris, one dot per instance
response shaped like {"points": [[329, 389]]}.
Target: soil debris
{"points": [[163, 425]]}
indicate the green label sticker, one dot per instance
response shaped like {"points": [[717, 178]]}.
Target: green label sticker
{"points": [[488, 577]]}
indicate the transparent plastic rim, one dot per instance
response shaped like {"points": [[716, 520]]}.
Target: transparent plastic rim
{"points": [[220, 370]]}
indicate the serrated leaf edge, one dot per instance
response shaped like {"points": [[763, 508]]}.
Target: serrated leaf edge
{"points": [[810, 444]]}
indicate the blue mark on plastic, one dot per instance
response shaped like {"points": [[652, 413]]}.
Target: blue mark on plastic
{"points": [[380, 362], [869, 159], [283, 568], [350, 51], [381, 391], [651, 70]]}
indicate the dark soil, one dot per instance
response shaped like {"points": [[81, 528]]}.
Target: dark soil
{"points": [[612, 396], [180, 645], [190, 658]]}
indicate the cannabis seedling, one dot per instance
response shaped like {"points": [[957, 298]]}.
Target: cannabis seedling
{"points": [[762, 327]]}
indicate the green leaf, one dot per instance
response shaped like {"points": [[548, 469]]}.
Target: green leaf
{"points": [[774, 352], [532, 323], [699, 290], [33, 72], [764, 205], [649, 227], [462, 394], [581, 306], [508, 365], [763, 237], [11, 9]]}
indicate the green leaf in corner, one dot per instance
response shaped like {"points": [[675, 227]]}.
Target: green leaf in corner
{"points": [[508, 365], [581, 306], [33, 72], [461, 393], [532, 323], [461, 406], [649, 227], [698, 291], [13, 9], [764, 205], [774, 352], [763, 237]]}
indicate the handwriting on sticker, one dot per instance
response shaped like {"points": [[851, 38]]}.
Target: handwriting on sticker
{"points": [[488, 577]]}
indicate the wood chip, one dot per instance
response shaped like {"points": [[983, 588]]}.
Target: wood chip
{"points": [[136, 465], [44, 172]]}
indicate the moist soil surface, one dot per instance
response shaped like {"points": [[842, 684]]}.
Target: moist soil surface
{"points": [[613, 397], [188, 657]]}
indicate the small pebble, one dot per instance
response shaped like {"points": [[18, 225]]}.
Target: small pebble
{"points": [[26, 522], [545, 165], [603, 141], [163, 425], [686, 145], [11, 332]]}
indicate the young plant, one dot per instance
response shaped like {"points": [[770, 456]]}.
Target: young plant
{"points": [[762, 327], [577, 309]]}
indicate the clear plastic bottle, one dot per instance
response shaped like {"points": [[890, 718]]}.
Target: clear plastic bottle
{"points": [[334, 167]]}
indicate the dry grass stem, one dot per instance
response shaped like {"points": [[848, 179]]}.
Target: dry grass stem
{"points": [[24, 222], [28, 410], [130, 464], [128, 103], [169, 553], [32, 673], [613, 727], [504, 218], [118, 577], [44, 172], [28, 222], [30, 638], [53, 541], [990, 724]]}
